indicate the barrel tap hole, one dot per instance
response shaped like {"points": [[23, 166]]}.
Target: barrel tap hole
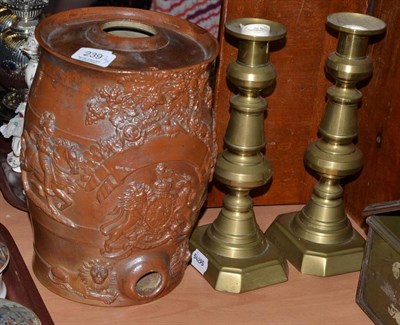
{"points": [[149, 284]]}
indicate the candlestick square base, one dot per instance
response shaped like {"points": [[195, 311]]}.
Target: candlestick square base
{"points": [[312, 258], [238, 275]]}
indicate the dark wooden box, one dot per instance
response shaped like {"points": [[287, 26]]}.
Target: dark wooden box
{"points": [[378, 292]]}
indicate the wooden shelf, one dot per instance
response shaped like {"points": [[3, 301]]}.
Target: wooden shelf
{"points": [[302, 300], [20, 285]]}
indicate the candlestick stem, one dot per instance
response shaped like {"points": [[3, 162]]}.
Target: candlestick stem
{"points": [[238, 255], [319, 239]]}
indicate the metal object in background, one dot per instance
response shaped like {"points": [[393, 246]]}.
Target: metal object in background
{"points": [[14, 313], [320, 240], [237, 255], [6, 18], [4, 260], [13, 60]]}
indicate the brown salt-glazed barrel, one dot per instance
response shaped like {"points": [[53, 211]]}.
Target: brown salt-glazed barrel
{"points": [[116, 160]]}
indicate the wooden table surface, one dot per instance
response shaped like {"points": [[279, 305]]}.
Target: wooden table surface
{"points": [[301, 300]]}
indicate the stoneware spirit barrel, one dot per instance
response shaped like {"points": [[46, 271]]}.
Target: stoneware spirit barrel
{"points": [[118, 150]]}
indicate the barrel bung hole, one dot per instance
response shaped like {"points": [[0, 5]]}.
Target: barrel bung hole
{"points": [[128, 29]]}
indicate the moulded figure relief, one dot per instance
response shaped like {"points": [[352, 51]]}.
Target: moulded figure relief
{"points": [[150, 215], [95, 279], [51, 163]]}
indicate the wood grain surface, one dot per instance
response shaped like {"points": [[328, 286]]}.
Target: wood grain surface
{"points": [[298, 101], [379, 116], [303, 299]]}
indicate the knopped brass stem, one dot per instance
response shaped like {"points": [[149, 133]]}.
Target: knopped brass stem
{"points": [[319, 239], [239, 256]]}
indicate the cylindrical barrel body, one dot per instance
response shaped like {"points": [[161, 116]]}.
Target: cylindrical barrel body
{"points": [[117, 159]]}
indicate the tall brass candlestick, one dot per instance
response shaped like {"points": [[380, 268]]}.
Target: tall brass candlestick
{"points": [[320, 240], [237, 255]]}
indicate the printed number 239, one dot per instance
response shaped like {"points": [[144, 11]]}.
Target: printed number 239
{"points": [[93, 55]]}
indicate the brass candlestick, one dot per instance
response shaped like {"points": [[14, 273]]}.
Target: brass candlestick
{"points": [[237, 255], [320, 240]]}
